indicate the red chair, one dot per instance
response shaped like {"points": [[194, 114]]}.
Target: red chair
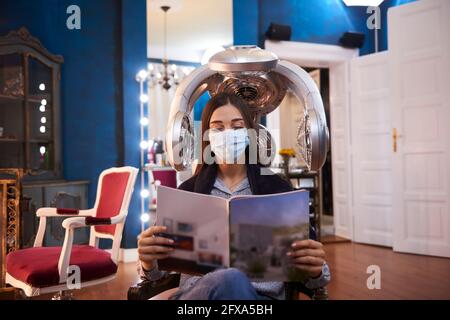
{"points": [[160, 176], [41, 270], [164, 177]]}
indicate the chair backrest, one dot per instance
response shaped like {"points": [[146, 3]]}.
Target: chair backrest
{"points": [[114, 191], [164, 177]]}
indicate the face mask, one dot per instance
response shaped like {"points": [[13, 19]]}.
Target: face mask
{"points": [[228, 145]]}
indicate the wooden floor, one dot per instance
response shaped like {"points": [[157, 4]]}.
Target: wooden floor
{"points": [[403, 276]]}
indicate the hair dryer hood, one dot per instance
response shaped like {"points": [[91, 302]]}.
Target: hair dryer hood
{"points": [[243, 59], [259, 78]]}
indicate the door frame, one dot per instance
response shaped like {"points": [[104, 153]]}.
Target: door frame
{"points": [[334, 58]]}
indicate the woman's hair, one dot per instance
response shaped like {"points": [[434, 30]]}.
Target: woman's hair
{"points": [[220, 100]]}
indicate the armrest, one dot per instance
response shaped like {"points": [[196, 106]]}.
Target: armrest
{"points": [[292, 290], [62, 212], [44, 213], [88, 221], [148, 289]]}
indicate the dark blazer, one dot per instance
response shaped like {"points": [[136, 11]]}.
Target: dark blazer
{"points": [[259, 184]]}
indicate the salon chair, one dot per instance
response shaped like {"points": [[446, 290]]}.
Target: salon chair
{"points": [[146, 290], [163, 290]]}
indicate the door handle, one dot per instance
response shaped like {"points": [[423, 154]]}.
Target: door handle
{"points": [[394, 139]]}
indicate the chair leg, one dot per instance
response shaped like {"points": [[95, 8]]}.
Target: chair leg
{"points": [[63, 295], [20, 295]]}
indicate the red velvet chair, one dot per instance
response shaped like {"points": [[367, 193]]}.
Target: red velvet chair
{"points": [[164, 177], [160, 176], [41, 270]]}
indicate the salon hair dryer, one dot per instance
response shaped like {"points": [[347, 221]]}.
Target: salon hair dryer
{"points": [[262, 80]]}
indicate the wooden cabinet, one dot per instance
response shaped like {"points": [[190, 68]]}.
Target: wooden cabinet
{"points": [[29, 106]]}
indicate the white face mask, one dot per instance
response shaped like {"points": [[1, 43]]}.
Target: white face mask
{"points": [[228, 145]]}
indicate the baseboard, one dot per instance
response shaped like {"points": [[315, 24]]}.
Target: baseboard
{"points": [[127, 255], [327, 230]]}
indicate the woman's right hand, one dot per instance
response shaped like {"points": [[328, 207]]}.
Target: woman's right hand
{"points": [[151, 248]]}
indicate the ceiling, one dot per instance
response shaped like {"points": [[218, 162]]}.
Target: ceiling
{"points": [[192, 27]]}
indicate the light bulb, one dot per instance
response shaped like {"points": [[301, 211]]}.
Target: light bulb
{"points": [[42, 87], [42, 129], [174, 67], [151, 67], [159, 75], [363, 3], [145, 217], [43, 120], [144, 121], [144, 144], [144, 98], [42, 108], [145, 193], [44, 102], [142, 75], [42, 150]]}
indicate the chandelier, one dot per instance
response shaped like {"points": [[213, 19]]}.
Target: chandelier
{"points": [[163, 73]]}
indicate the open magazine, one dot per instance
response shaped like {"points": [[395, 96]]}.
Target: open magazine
{"points": [[252, 233]]}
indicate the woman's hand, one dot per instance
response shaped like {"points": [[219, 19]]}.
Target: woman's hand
{"points": [[151, 248], [308, 256]]}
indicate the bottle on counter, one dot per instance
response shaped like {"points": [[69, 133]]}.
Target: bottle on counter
{"points": [[151, 154]]}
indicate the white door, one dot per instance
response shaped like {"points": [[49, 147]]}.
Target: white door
{"points": [[419, 45], [341, 149], [371, 149]]}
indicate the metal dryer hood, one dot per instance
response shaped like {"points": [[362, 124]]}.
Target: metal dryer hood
{"points": [[261, 79]]}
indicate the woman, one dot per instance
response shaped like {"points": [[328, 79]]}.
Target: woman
{"points": [[226, 120]]}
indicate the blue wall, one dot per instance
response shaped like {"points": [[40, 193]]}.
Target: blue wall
{"points": [[312, 21], [245, 22], [134, 44], [99, 95]]}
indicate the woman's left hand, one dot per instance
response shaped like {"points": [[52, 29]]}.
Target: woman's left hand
{"points": [[309, 256]]}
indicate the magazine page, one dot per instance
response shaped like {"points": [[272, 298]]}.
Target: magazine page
{"points": [[198, 224], [262, 229]]}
